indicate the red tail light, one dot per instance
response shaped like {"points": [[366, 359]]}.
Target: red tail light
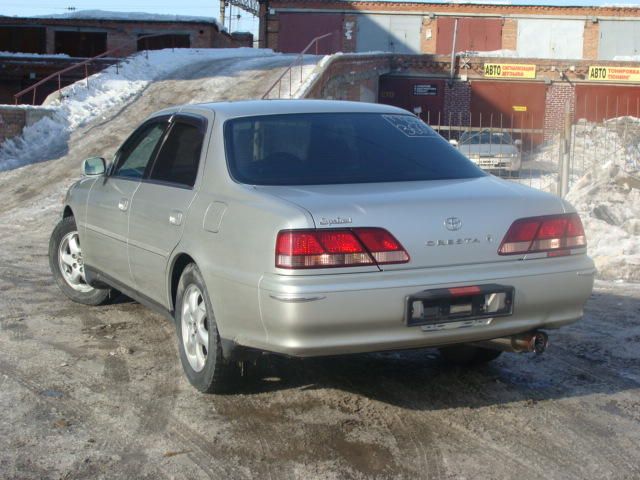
{"points": [[337, 248], [554, 234]]}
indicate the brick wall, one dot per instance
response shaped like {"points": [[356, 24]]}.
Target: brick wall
{"points": [[431, 12], [510, 34], [13, 119], [457, 102], [591, 40], [428, 35], [560, 96], [349, 32], [125, 33], [350, 77]]}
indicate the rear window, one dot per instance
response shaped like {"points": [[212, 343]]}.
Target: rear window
{"points": [[340, 148]]}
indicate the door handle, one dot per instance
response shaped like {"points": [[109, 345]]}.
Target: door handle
{"points": [[123, 204], [175, 217]]}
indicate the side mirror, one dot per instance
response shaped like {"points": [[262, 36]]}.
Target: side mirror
{"points": [[453, 142], [94, 166], [517, 142]]}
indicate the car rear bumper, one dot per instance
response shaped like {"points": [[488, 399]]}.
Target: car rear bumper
{"points": [[511, 164], [316, 315]]}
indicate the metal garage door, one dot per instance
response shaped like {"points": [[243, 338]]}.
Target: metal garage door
{"points": [[298, 29], [389, 33], [508, 105], [618, 38], [423, 96], [474, 34], [600, 102], [550, 38]]}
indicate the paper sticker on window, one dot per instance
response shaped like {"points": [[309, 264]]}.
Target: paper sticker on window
{"points": [[410, 126]]}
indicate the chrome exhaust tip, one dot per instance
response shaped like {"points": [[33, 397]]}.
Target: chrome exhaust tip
{"points": [[530, 342]]}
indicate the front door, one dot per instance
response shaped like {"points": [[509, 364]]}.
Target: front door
{"points": [[109, 203], [160, 205]]}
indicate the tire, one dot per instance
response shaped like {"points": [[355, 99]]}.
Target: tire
{"points": [[467, 355], [69, 274], [201, 355]]}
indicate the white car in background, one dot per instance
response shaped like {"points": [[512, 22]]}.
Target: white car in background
{"points": [[494, 151]]}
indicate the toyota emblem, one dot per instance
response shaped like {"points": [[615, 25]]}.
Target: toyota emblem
{"points": [[453, 223]]}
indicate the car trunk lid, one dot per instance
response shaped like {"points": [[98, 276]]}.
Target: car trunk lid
{"points": [[440, 223]]}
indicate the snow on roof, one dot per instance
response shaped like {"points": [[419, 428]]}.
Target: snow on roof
{"points": [[131, 17]]}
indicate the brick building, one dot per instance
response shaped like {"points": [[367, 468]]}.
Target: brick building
{"points": [[89, 33], [558, 32]]}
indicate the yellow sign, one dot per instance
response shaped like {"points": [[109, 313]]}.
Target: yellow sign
{"points": [[509, 70], [519, 108], [614, 74]]}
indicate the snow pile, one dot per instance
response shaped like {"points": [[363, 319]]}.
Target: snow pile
{"points": [[33, 55], [47, 138], [606, 191], [132, 16], [608, 199], [604, 187]]}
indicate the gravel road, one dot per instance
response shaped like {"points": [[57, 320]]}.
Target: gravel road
{"points": [[90, 393]]}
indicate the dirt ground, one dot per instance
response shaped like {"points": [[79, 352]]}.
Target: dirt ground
{"points": [[90, 393]]}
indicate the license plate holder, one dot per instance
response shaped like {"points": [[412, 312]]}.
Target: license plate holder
{"points": [[457, 304]]}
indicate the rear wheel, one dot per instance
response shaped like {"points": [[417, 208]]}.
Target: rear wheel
{"points": [[67, 265], [198, 337], [468, 355]]}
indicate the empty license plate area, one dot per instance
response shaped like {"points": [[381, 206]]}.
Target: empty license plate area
{"points": [[444, 305]]}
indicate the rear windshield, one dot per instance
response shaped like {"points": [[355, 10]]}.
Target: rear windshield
{"points": [[339, 148]]}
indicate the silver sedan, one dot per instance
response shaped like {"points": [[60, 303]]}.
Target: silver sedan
{"points": [[312, 228]]}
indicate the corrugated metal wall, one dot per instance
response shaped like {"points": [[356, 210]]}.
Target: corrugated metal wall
{"points": [[541, 38], [298, 29], [414, 92], [600, 102], [474, 34], [618, 38], [389, 33]]}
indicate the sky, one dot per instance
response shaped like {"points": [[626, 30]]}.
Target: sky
{"points": [[205, 8]]}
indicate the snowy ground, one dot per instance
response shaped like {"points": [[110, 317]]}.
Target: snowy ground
{"points": [[97, 393]]}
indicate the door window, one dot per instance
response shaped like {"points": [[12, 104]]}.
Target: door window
{"points": [[136, 153], [179, 156]]}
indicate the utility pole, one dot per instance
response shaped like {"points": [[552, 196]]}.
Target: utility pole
{"points": [[222, 4]]}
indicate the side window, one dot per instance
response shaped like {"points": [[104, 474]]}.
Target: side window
{"points": [[179, 156], [138, 150]]}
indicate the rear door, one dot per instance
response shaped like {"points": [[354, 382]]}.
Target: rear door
{"points": [[109, 202], [160, 204]]}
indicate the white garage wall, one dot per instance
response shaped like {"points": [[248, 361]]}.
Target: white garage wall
{"points": [[388, 33], [540, 38], [618, 38]]}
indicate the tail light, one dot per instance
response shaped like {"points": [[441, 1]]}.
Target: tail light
{"points": [[337, 248], [554, 234]]}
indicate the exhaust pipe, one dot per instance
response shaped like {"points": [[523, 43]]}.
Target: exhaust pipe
{"points": [[535, 342]]}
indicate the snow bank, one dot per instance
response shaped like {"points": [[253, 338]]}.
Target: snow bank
{"points": [[608, 194], [47, 138], [608, 200]]}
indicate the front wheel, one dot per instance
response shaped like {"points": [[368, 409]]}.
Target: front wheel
{"points": [[198, 337], [67, 265]]}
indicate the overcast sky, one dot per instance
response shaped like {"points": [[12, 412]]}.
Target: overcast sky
{"points": [[207, 8]]}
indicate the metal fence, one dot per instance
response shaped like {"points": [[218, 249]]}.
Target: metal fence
{"points": [[550, 160]]}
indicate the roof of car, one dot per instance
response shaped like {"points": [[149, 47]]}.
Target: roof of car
{"points": [[246, 108]]}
